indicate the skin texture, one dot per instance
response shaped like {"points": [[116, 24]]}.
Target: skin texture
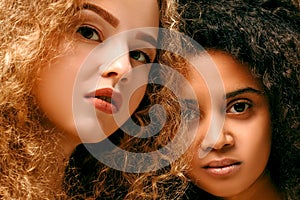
{"points": [[245, 136], [55, 88]]}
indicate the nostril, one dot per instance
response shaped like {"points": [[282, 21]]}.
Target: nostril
{"points": [[124, 80], [206, 148], [110, 74]]}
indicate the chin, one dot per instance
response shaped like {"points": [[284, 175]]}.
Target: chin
{"points": [[223, 192]]}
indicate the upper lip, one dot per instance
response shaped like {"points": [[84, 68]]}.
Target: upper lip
{"points": [[221, 163], [108, 95]]}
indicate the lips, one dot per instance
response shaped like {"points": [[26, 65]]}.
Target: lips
{"points": [[105, 100], [222, 167]]}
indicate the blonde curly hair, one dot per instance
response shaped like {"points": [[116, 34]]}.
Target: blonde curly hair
{"points": [[30, 160], [31, 163]]}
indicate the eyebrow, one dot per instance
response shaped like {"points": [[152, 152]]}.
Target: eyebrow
{"points": [[242, 91], [112, 20], [147, 38]]}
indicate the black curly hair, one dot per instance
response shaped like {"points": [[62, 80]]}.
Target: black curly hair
{"points": [[263, 34]]}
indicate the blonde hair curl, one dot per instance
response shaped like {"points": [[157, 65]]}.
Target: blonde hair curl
{"points": [[30, 163]]}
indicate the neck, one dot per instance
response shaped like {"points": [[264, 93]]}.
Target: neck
{"points": [[68, 145], [262, 189], [65, 143]]}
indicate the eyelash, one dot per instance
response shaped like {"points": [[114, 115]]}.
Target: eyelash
{"points": [[81, 30], [147, 57], [247, 104]]}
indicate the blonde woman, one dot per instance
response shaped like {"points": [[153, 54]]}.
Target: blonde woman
{"points": [[43, 46]]}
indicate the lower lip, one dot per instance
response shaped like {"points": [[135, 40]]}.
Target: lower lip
{"points": [[104, 106], [223, 171]]}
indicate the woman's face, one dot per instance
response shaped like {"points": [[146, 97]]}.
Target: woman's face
{"points": [[236, 160], [95, 23]]}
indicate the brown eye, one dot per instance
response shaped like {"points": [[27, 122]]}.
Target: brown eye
{"points": [[239, 107], [89, 33]]}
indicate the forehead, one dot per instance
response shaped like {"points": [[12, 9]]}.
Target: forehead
{"points": [[215, 74], [233, 74], [133, 11]]}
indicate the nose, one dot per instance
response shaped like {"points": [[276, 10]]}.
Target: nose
{"points": [[218, 140], [118, 70]]}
